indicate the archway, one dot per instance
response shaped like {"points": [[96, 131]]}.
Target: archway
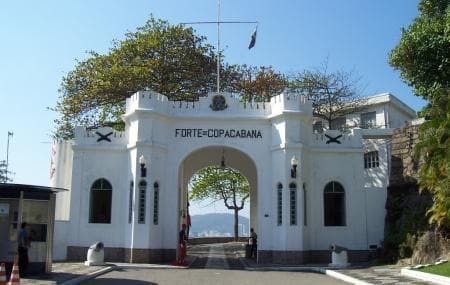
{"points": [[213, 156]]}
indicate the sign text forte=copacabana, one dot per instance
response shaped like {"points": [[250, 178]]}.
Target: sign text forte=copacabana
{"points": [[218, 133]]}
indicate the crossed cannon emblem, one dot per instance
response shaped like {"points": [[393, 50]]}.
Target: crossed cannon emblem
{"points": [[103, 137], [333, 140]]}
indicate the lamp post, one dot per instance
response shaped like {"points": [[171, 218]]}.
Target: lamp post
{"points": [[142, 162], [294, 164]]}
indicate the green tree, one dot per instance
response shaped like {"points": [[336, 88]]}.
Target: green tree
{"points": [[257, 84], [333, 94], [3, 173], [168, 59], [423, 58], [221, 184]]}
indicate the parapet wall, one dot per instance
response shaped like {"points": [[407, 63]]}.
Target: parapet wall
{"points": [[149, 100], [99, 136], [337, 139]]}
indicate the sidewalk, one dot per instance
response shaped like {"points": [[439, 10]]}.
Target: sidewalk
{"points": [[66, 273], [69, 273], [355, 275]]}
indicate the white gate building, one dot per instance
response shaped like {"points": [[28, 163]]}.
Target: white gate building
{"points": [[128, 189]]}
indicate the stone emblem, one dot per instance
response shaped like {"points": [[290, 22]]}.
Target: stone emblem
{"points": [[218, 103]]}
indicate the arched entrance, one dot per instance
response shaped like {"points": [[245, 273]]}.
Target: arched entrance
{"points": [[214, 156]]}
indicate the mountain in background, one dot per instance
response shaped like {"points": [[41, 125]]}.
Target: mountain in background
{"points": [[217, 225]]}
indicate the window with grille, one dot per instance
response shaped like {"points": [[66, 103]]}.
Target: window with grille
{"points": [[130, 203], [318, 127], [155, 203], [293, 204], [279, 204], [338, 123], [142, 200], [334, 204], [304, 205], [371, 160], [100, 202], [368, 120]]}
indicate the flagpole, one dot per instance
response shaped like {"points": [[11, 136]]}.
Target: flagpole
{"points": [[218, 46], [218, 37], [7, 155]]}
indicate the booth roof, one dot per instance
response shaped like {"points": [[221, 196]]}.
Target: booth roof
{"points": [[11, 190]]}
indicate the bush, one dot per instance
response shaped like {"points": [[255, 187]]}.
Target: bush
{"points": [[406, 248]]}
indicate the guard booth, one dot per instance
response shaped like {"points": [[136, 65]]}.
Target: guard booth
{"points": [[34, 205]]}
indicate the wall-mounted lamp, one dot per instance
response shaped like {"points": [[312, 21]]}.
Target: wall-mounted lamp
{"points": [[142, 162], [294, 164]]}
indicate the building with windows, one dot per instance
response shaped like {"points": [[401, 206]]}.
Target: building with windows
{"points": [[309, 187]]}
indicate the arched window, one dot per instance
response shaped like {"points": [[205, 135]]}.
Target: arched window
{"points": [[155, 203], [100, 202], [142, 201], [334, 204], [279, 204]]}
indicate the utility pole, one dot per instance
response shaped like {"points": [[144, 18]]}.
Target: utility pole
{"points": [[10, 134]]}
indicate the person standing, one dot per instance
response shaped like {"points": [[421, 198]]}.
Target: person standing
{"points": [[253, 243], [182, 244], [23, 245]]}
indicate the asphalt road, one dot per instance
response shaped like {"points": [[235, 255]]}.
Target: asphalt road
{"points": [[215, 264], [149, 276]]}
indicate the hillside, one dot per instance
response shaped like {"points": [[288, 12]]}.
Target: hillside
{"points": [[217, 225]]}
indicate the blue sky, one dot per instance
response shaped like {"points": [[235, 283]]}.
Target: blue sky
{"points": [[40, 41]]}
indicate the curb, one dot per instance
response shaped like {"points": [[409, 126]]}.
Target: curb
{"points": [[78, 280], [328, 272], [426, 276]]}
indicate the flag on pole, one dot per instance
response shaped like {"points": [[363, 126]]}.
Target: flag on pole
{"points": [[253, 40]]}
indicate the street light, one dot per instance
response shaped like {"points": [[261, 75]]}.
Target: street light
{"points": [[294, 164], [142, 162]]}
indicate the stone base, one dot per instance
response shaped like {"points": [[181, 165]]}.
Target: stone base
{"points": [[120, 254], [90, 263], [311, 256]]}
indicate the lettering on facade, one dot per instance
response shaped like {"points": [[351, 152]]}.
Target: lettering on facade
{"points": [[218, 133]]}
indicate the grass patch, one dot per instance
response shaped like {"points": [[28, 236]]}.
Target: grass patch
{"points": [[441, 269]]}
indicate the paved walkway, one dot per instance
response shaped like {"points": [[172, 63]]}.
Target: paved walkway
{"points": [[221, 256], [224, 256], [65, 271], [381, 275]]}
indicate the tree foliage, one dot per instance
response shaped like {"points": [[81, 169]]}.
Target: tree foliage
{"points": [[221, 184], [168, 59], [333, 94], [257, 84], [423, 59], [3, 172]]}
